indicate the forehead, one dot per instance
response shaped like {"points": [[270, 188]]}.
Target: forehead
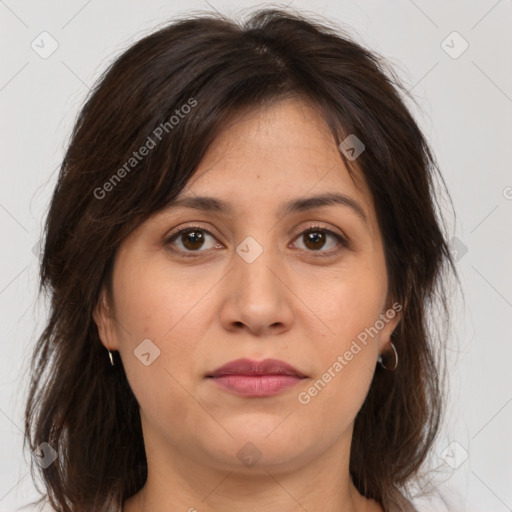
{"points": [[270, 156]]}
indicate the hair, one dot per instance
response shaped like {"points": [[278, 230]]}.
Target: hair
{"points": [[82, 406]]}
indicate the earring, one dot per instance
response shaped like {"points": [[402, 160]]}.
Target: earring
{"points": [[379, 359], [111, 358]]}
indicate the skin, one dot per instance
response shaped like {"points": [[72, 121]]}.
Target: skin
{"points": [[290, 303]]}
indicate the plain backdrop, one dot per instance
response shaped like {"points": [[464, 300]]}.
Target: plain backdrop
{"points": [[455, 57]]}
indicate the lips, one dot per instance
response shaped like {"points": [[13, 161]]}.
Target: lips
{"points": [[255, 368], [248, 378]]}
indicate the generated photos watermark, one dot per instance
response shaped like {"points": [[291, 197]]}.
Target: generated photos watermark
{"points": [[304, 397], [139, 155]]}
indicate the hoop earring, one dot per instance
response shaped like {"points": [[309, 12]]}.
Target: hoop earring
{"points": [[110, 357], [395, 353]]}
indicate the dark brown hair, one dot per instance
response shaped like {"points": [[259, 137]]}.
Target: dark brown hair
{"points": [[83, 407]]}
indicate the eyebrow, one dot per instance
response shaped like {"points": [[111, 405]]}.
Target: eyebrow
{"points": [[212, 204]]}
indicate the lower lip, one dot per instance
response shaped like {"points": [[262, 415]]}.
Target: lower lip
{"points": [[257, 385]]}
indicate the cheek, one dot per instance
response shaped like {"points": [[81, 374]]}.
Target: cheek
{"points": [[347, 303], [348, 347], [171, 310], [152, 300], [153, 305], [347, 362]]}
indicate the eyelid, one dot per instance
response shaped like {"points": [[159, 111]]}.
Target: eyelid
{"points": [[319, 227]]}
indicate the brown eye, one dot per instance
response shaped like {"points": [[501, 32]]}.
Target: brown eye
{"points": [[315, 239], [190, 239]]}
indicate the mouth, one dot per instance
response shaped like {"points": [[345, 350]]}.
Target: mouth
{"points": [[256, 379]]}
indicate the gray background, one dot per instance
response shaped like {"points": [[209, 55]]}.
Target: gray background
{"points": [[465, 110]]}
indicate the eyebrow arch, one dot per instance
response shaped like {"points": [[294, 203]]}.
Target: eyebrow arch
{"points": [[212, 204], [328, 199]]}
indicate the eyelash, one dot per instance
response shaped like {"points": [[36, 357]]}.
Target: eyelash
{"points": [[312, 229]]}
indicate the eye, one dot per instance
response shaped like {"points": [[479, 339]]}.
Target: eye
{"points": [[316, 238], [191, 239]]}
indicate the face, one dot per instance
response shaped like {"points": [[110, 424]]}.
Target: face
{"points": [[306, 285]]}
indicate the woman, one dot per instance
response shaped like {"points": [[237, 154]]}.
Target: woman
{"points": [[242, 252]]}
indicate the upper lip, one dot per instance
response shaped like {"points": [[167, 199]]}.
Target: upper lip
{"points": [[251, 367]]}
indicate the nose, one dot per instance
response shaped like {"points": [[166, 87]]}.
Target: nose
{"points": [[257, 296]]}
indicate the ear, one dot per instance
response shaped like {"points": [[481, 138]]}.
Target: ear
{"points": [[391, 316], [103, 316]]}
